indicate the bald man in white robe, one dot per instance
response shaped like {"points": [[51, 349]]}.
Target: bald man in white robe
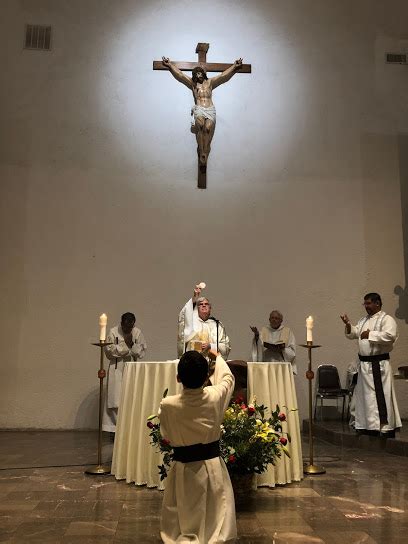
{"points": [[275, 343]]}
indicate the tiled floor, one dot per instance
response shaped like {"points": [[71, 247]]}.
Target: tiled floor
{"points": [[341, 434], [362, 498]]}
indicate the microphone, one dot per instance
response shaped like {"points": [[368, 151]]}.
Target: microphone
{"points": [[217, 321]]}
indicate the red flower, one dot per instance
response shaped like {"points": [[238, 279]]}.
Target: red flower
{"points": [[283, 440], [150, 425], [243, 406], [165, 442], [251, 410], [239, 400], [282, 417], [232, 459]]}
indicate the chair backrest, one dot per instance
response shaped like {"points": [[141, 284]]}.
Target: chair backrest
{"points": [[240, 370], [327, 378]]}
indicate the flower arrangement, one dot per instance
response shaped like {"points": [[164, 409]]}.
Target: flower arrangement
{"points": [[249, 441]]}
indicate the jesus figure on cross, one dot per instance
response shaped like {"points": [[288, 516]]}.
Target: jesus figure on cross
{"points": [[203, 109]]}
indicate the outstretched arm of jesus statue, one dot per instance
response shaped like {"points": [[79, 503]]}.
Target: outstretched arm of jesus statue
{"points": [[226, 74], [177, 74]]}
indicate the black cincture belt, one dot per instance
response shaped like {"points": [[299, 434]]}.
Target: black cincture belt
{"points": [[197, 452], [374, 358], [378, 386]]}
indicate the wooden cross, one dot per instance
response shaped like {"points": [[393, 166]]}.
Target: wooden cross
{"points": [[201, 50]]}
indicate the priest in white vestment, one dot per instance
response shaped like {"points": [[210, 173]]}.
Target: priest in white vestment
{"points": [[198, 330], [198, 502], [376, 407], [128, 344], [275, 343]]}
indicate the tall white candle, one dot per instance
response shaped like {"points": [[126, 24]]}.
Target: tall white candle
{"points": [[309, 327], [103, 319]]}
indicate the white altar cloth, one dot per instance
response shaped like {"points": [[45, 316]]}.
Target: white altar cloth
{"points": [[272, 384], [144, 382]]}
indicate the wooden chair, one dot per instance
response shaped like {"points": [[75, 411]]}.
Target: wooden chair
{"points": [[240, 370]]}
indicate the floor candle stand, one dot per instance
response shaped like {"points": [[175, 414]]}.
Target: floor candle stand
{"points": [[311, 468], [99, 468]]}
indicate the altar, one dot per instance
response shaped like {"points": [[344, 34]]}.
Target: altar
{"points": [[144, 382]]}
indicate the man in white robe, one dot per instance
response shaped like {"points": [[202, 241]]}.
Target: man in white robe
{"points": [[275, 343], [376, 406], [198, 330], [128, 344], [198, 503]]}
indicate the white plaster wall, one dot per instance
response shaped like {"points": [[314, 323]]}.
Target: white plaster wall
{"points": [[100, 210]]}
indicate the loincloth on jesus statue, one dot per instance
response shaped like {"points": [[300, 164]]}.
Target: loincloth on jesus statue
{"points": [[201, 111]]}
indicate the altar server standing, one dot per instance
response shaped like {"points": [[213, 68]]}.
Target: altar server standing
{"points": [[376, 405], [128, 344]]}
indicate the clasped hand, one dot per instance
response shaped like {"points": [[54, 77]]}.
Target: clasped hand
{"points": [[128, 340]]}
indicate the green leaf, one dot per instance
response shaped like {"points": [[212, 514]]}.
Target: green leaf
{"points": [[165, 392], [151, 417]]}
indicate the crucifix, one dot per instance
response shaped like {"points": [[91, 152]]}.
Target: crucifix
{"points": [[203, 110]]}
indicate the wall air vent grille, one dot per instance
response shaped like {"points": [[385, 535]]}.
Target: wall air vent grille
{"points": [[396, 58], [37, 37]]}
